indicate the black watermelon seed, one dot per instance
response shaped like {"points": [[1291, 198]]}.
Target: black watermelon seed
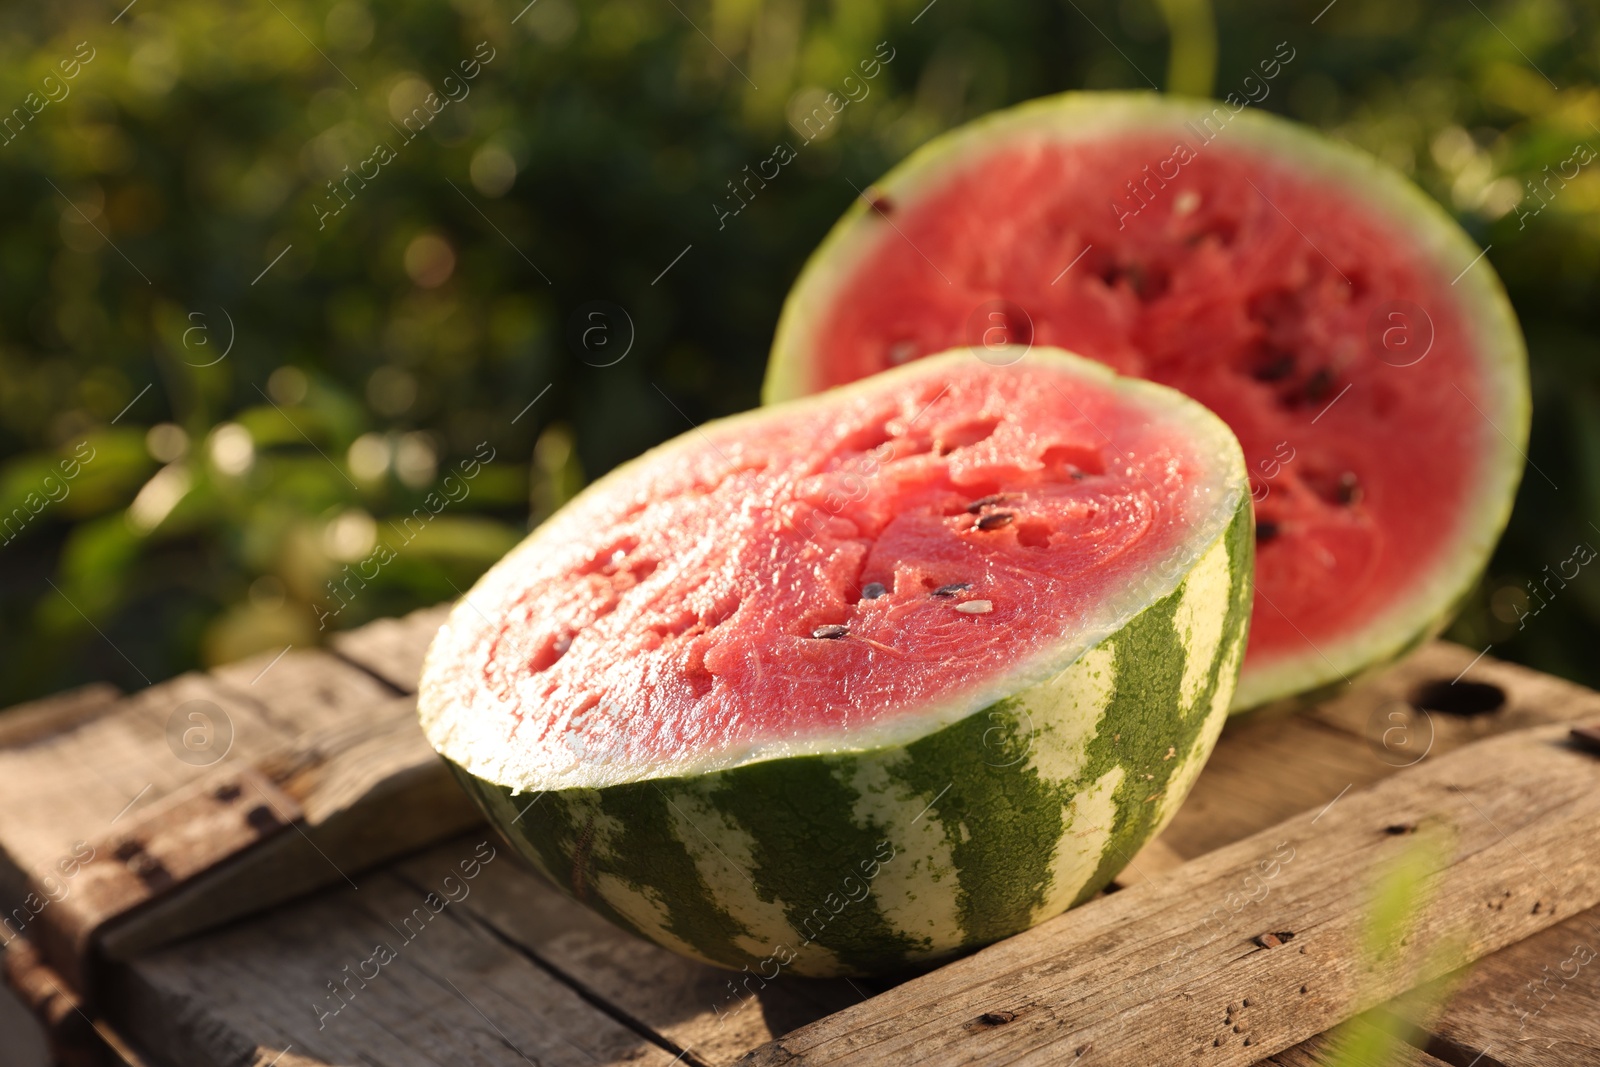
{"points": [[1349, 488], [995, 520], [1319, 384], [1266, 531], [879, 203], [1275, 369], [952, 589], [831, 632], [873, 590], [983, 502]]}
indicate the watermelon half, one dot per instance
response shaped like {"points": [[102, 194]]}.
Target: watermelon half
{"points": [[862, 680], [1336, 318]]}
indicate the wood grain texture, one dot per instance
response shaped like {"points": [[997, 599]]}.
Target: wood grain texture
{"points": [[303, 689], [327, 733], [309, 980], [1342, 1047], [336, 737], [1455, 687], [393, 649], [41, 718], [1268, 768], [371, 788], [1139, 977], [1532, 1004], [75, 786], [690, 1003], [180, 837], [1235, 793]]}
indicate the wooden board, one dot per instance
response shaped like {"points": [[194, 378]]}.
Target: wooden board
{"points": [[1242, 789], [1345, 1045], [308, 984], [689, 1004], [392, 649], [667, 996], [80, 772], [1534, 1004], [1265, 771], [41, 718], [75, 785]]}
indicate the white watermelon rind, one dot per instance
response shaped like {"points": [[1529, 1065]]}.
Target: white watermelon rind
{"points": [[1506, 401]]}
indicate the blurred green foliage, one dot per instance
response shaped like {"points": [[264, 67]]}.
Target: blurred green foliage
{"points": [[150, 197]]}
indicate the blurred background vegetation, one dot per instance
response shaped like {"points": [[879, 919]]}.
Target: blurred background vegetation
{"points": [[148, 200]]}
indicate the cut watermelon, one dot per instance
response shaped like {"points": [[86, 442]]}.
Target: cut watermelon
{"points": [[865, 679], [1344, 327]]}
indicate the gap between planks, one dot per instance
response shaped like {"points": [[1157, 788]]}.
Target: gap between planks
{"points": [[470, 918]]}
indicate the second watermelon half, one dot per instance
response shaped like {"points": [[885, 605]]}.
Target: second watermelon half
{"points": [[1346, 329]]}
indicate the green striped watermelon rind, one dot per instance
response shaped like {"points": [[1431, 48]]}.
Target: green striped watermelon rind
{"points": [[867, 862], [1503, 361]]}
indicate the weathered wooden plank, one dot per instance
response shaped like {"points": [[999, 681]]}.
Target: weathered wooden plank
{"points": [[1357, 1043], [1463, 695], [326, 732], [1259, 769], [393, 649], [1231, 795], [54, 714], [75, 786], [1154, 860], [1264, 771], [1167, 970], [304, 690], [370, 791], [387, 976], [694, 1005], [71, 785], [1532, 1004], [1268, 768], [180, 837]]}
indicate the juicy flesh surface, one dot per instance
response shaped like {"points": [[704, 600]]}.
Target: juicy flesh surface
{"points": [[674, 610], [1328, 343]]}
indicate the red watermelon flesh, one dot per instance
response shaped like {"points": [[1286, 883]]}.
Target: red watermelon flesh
{"points": [[784, 577], [1326, 336]]}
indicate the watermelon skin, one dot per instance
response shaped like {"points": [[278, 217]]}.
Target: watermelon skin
{"points": [[875, 861], [1430, 602]]}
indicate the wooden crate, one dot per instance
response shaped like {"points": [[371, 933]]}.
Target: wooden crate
{"points": [[1198, 956]]}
